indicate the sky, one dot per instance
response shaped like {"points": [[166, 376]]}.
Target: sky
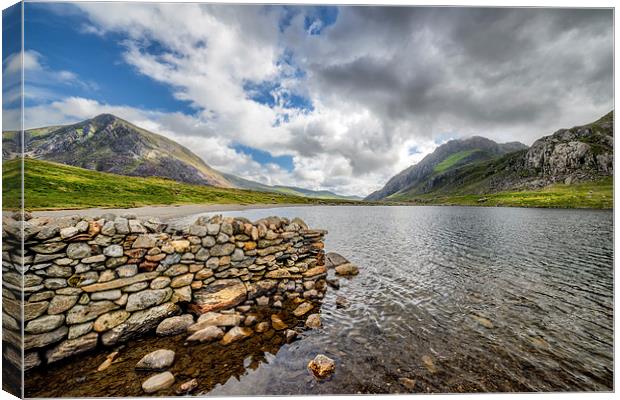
{"points": [[335, 98]]}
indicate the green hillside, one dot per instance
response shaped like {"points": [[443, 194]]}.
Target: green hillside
{"points": [[50, 185]]}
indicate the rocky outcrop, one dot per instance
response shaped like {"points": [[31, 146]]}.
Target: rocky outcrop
{"points": [[99, 282]]}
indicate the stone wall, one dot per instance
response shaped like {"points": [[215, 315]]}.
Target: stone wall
{"points": [[98, 282]]}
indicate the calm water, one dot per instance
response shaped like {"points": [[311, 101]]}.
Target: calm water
{"points": [[458, 299]]}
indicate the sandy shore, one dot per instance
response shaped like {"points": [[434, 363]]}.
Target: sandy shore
{"points": [[163, 212]]}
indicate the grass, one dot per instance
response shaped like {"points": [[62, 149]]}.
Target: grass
{"points": [[56, 186], [453, 159], [596, 194]]}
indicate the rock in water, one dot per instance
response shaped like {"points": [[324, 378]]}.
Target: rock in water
{"points": [[290, 335], [313, 321], [277, 323], [429, 364], [341, 302], [408, 383], [188, 387], [174, 325], [333, 283], [107, 362], [347, 270], [322, 366], [483, 321], [158, 382], [157, 360], [208, 334], [333, 260], [302, 309], [235, 334]]}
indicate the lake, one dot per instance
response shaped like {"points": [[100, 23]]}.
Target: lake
{"points": [[455, 299]]}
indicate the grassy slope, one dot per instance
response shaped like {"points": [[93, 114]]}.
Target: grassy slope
{"points": [[598, 194], [453, 159], [55, 186]]}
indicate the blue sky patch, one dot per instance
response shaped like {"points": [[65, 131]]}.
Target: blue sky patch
{"points": [[263, 157]]}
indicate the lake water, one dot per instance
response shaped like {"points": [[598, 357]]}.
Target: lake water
{"points": [[457, 299]]}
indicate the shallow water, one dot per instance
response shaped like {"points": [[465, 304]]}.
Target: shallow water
{"points": [[457, 299]]}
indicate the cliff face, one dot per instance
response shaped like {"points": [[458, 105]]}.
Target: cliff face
{"points": [[579, 153]]}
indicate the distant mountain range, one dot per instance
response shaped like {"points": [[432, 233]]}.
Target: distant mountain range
{"points": [[107, 143], [479, 166]]}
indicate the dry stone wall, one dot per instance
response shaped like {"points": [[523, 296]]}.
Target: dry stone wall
{"points": [[98, 282]]}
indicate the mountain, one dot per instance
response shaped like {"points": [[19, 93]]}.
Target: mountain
{"points": [[107, 143], [579, 154], [290, 190], [447, 157]]}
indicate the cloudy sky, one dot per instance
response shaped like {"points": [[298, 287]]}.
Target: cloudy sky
{"points": [[337, 98]]}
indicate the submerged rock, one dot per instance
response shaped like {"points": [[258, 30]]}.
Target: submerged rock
{"points": [[158, 382], [187, 387], [408, 383], [208, 334], [333, 283], [347, 269], [341, 302], [322, 366], [107, 362], [235, 334], [302, 309], [333, 260], [277, 322], [313, 321], [429, 364], [157, 360], [290, 335]]}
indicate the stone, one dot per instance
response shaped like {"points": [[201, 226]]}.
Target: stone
{"points": [[319, 270], [84, 299], [107, 295], [136, 287], [156, 361], [407, 383], [49, 248], [183, 294], [214, 319], [68, 232], [119, 283], [219, 250], [333, 260], [213, 229], [262, 301], [44, 339], [139, 323], [59, 304], [277, 323], [174, 325], [107, 362], [127, 271], [198, 230], [121, 225], [347, 269], [116, 261], [219, 295], [208, 241], [334, 283], [235, 334], [110, 320], [76, 331], [136, 227], [182, 280], [41, 296], [180, 246], [281, 273], [204, 274], [227, 228], [160, 282], [158, 382], [208, 334], [313, 321], [303, 308], [290, 335], [147, 298], [34, 310], [188, 387], [177, 269], [237, 255], [31, 360], [262, 327], [72, 347], [99, 258], [108, 229], [82, 226], [322, 366], [341, 302], [44, 323], [113, 251], [79, 314], [123, 300], [78, 250]]}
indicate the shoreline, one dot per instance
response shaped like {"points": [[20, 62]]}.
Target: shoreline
{"points": [[164, 212]]}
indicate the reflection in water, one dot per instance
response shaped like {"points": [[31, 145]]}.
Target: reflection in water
{"points": [[454, 299]]}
